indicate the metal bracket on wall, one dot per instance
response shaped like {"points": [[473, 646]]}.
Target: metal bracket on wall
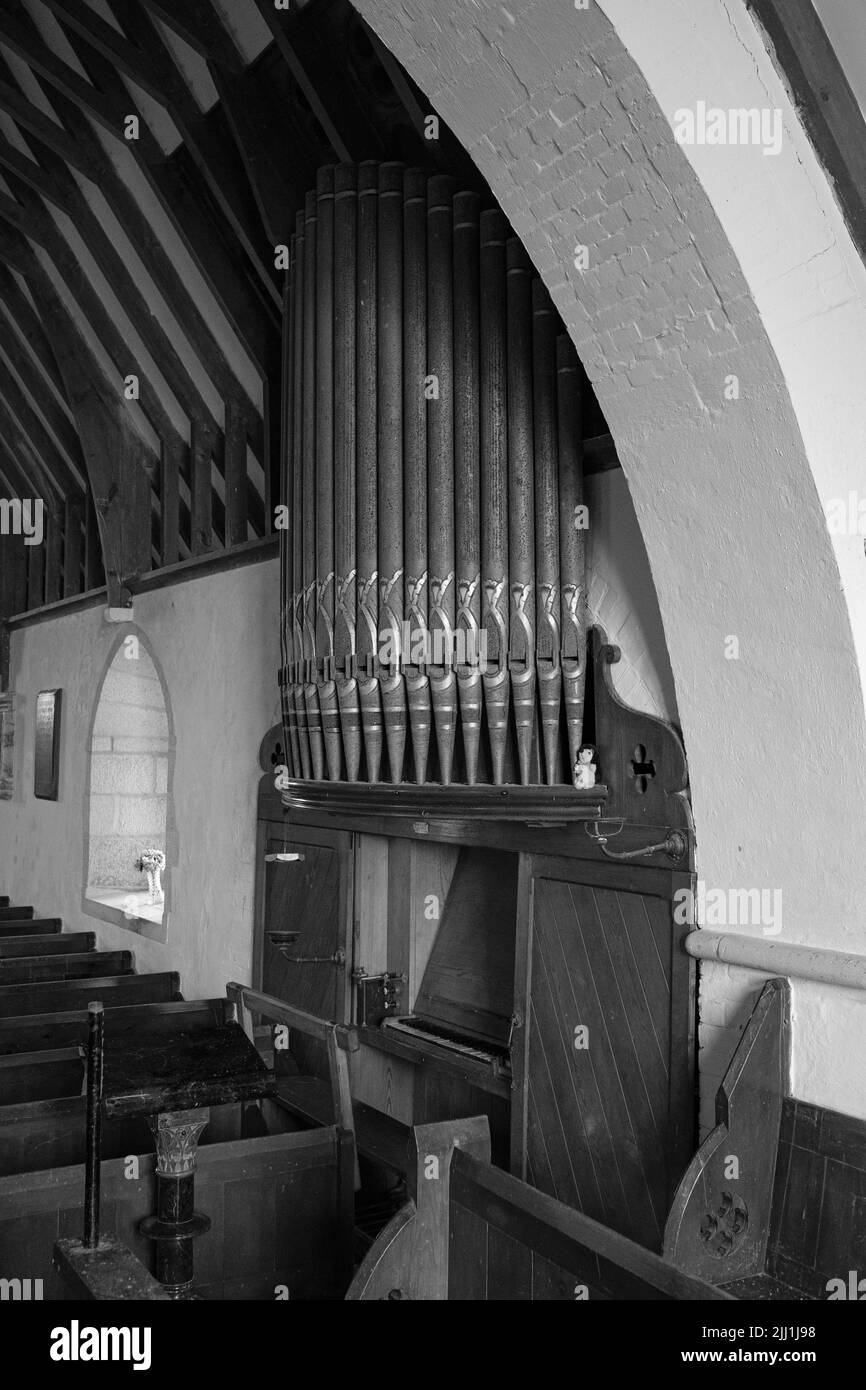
{"points": [[675, 846], [284, 939]]}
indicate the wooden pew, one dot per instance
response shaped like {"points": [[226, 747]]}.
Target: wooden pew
{"points": [[30, 926], [66, 943], [23, 1000], [88, 965], [473, 1232], [36, 1076], [769, 1206], [20, 914], [69, 1028], [280, 1207], [339, 1041], [4, 901]]}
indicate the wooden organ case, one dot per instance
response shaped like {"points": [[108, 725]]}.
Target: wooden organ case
{"points": [[503, 943]]}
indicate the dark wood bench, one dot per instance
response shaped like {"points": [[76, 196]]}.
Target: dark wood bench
{"points": [[66, 943], [19, 1001], [35, 1076], [70, 965], [30, 926], [20, 914], [280, 1207], [473, 1232], [772, 1205], [69, 1027]]}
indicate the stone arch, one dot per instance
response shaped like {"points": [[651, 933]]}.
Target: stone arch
{"points": [[128, 805], [687, 361]]}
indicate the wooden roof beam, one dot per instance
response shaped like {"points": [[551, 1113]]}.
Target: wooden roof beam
{"points": [[262, 147], [220, 259], [65, 192], [64, 478], [199, 25], [34, 470], [39, 399], [119, 464], [29, 325], [343, 122], [143, 57], [157, 262], [36, 222]]}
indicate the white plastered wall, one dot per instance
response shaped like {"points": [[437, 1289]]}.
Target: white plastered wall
{"points": [[704, 264]]}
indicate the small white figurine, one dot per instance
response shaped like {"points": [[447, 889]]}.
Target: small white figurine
{"points": [[584, 769], [152, 863]]}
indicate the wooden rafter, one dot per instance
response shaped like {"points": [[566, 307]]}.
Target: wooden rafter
{"points": [[142, 56], [52, 180], [40, 226], [159, 266], [343, 122], [107, 101], [27, 321], [37, 398], [279, 184], [198, 24]]}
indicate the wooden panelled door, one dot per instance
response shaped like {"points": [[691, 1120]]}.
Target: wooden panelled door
{"points": [[604, 1111], [310, 896]]}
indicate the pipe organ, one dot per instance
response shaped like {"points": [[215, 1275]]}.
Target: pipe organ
{"points": [[433, 574]]}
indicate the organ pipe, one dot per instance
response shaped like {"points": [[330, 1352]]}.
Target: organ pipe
{"points": [[366, 446], [494, 487], [546, 445], [415, 406], [345, 476], [310, 587], [390, 461], [440, 414], [433, 571]]}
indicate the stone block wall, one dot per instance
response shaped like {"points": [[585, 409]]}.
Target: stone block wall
{"points": [[128, 773]]}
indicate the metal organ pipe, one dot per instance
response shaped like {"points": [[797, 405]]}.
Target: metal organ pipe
{"points": [[434, 568], [572, 542], [494, 487], [296, 696], [326, 685], [545, 324], [366, 444], [287, 637], [345, 481], [521, 502], [467, 483], [311, 696], [440, 444], [415, 406], [390, 429]]}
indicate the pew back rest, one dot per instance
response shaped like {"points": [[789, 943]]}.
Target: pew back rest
{"points": [[281, 1210], [475, 1233], [509, 1241]]}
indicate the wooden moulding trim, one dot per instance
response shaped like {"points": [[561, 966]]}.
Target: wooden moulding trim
{"points": [[781, 958], [536, 805], [252, 552]]}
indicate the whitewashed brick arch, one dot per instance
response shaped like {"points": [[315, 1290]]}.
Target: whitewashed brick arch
{"points": [[700, 271]]}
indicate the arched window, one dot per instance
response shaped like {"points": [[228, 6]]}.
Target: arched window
{"points": [[129, 794]]}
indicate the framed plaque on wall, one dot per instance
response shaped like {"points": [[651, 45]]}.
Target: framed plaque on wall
{"points": [[47, 753], [7, 744]]}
